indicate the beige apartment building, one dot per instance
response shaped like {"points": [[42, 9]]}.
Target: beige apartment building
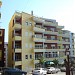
{"points": [[31, 37]]}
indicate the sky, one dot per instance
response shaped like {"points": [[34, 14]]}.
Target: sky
{"points": [[63, 11]]}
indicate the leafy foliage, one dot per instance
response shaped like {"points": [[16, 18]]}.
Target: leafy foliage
{"points": [[56, 62], [41, 61]]}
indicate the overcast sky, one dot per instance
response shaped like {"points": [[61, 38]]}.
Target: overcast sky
{"points": [[63, 11]]}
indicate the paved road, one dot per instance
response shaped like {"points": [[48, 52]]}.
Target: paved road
{"points": [[59, 73]]}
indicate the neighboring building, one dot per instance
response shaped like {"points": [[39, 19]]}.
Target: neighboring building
{"points": [[5, 54], [31, 37], [2, 33], [72, 44]]}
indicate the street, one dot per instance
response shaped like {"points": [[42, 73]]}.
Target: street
{"points": [[59, 73]]}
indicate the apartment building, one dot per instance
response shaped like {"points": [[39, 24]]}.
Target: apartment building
{"points": [[2, 33], [32, 37], [5, 54]]}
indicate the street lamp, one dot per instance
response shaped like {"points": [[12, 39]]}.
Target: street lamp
{"points": [[67, 62]]}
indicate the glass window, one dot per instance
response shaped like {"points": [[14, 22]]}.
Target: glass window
{"points": [[26, 56], [17, 56], [26, 23], [30, 23], [30, 56]]}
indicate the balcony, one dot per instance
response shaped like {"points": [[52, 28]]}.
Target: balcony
{"points": [[60, 27], [66, 35], [65, 42], [36, 61], [17, 26], [46, 49], [39, 20], [18, 63], [39, 50], [38, 29], [56, 49], [51, 41], [51, 32], [50, 24], [35, 39], [17, 38], [63, 57], [18, 50]]}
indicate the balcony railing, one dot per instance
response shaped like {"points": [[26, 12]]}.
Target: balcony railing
{"points": [[38, 47], [18, 47], [16, 34], [18, 59]]}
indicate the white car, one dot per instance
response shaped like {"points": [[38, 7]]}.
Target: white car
{"points": [[39, 71], [57, 69], [51, 70]]}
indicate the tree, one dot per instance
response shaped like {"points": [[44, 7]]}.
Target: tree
{"points": [[41, 61], [56, 62]]}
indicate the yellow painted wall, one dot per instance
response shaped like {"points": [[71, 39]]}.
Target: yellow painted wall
{"points": [[10, 51], [27, 40]]}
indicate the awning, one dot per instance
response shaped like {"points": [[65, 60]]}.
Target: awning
{"points": [[49, 62]]}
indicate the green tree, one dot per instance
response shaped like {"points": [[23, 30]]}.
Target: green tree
{"points": [[56, 62], [41, 61]]}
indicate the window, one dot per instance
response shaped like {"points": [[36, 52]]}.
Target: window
{"points": [[52, 29], [17, 56], [30, 23], [26, 23], [37, 56], [26, 56], [52, 37], [55, 54], [30, 56]]}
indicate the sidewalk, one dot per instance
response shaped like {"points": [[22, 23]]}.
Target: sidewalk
{"points": [[29, 73]]}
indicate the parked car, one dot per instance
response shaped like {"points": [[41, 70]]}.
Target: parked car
{"points": [[57, 70], [39, 71], [12, 71], [63, 69], [51, 70]]}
